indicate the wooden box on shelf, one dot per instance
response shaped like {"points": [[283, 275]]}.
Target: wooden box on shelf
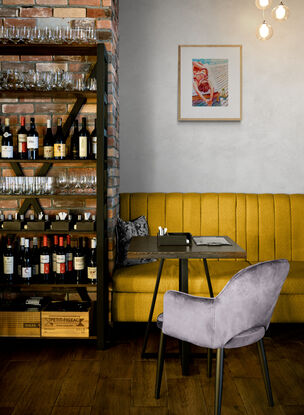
{"points": [[57, 320], [21, 323]]}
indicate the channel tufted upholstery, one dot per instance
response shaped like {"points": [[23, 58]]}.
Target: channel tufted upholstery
{"points": [[267, 226]]}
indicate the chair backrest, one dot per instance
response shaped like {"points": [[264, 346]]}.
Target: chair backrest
{"points": [[248, 299]]}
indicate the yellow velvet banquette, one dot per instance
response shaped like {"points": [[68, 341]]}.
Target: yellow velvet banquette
{"points": [[267, 226]]}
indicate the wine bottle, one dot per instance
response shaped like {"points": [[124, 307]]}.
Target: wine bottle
{"points": [[54, 256], [22, 140], [8, 262], [94, 142], [32, 141], [84, 140], [35, 260], [48, 142], [1, 135], [20, 259], [69, 259], [92, 263], [79, 263], [26, 267], [7, 148], [59, 142], [45, 261], [60, 260], [74, 153]]}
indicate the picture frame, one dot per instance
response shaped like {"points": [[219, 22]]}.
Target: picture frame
{"points": [[209, 82]]}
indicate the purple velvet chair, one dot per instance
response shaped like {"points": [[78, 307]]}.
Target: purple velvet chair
{"points": [[238, 316]]}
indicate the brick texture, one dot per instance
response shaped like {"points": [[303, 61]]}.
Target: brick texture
{"points": [[9, 12], [69, 12], [36, 12]]}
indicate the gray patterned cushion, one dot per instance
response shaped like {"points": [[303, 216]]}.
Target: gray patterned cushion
{"points": [[124, 232]]}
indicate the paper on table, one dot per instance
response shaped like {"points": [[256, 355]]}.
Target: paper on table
{"points": [[211, 240]]}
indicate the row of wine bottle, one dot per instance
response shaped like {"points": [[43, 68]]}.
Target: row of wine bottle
{"points": [[59, 262], [83, 144]]}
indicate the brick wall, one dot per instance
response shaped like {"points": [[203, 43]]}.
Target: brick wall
{"points": [[103, 15]]}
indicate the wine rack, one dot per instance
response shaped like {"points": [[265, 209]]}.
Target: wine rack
{"points": [[99, 71]]}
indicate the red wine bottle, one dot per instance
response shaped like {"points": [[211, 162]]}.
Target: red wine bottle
{"points": [[7, 148], [84, 141], [54, 256], [26, 267], [32, 142], [1, 136], [74, 152], [22, 140], [20, 259], [92, 263], [69, 259], [59, 142], [48, 142], [35, 260], [79, 263], [45, 261], [8, 262], [94, 142], [60, 260]]}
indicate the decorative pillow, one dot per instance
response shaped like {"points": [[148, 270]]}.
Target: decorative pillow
{"points": [[124, 232]]}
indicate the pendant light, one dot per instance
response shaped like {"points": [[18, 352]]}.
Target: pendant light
{"points": [[263, 4], [264, 31], [281, 12]]}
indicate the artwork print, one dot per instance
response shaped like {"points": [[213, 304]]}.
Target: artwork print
{"points": [[210, 82]]}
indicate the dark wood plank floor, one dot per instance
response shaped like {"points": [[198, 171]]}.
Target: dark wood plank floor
{"points": [[73, 378]]}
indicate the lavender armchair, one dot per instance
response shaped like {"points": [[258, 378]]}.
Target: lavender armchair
{"points": [[238, 316]]}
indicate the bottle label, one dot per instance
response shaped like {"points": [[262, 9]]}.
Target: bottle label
{"points": [[32, 142], [22, 143], [60, 264], [94, 147], [69, 261], [54, 260], [83, 147], [44, 264], [26, 272], [8, 264], [78, 263], [92, 273], [7, 152], [59, 150], [48, 152], [35, 269]]}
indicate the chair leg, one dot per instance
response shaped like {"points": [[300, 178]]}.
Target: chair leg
{"points": [[265, 371], [209, 363], [160, 363], [219, 381]]}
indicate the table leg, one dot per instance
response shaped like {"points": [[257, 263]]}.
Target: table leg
{"points": [[183, 286], [160, 268], [209, 351]]}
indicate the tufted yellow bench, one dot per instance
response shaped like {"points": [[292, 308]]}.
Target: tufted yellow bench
{"points": [[267, 226]]}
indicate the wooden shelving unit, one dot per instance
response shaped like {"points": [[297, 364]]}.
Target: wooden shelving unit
{"points": [[99, 71]]}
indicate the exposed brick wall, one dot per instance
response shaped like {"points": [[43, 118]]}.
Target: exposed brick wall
{"points": [[102, 14]]}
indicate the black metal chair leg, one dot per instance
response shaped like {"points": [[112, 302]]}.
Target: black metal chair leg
{"points": [[160, 268], [219, 381], [209, 363], [160, 363], [265, 371]]}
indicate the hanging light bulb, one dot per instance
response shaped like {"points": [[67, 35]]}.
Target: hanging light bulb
{"points": [[281, 12], [264, 31], [263, 4]]}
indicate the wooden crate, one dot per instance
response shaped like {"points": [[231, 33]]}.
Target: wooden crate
{"points": [[20, 323], [65, 323]]}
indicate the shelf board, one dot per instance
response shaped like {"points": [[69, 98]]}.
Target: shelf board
{"points": [[55, 196], [47, 94], [48, 286], [49, 49], [47, 338], [48, 232], [92, 162]]}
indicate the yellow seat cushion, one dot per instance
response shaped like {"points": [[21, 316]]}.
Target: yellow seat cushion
{"points": [[141, 278]]}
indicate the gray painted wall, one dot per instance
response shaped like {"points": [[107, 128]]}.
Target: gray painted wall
{"points": [[262, 153]]}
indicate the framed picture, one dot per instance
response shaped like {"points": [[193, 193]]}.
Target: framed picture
{"points": [[209, 82]]}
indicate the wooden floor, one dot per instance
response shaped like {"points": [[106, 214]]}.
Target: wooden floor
{"points": [[73, 378]]}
